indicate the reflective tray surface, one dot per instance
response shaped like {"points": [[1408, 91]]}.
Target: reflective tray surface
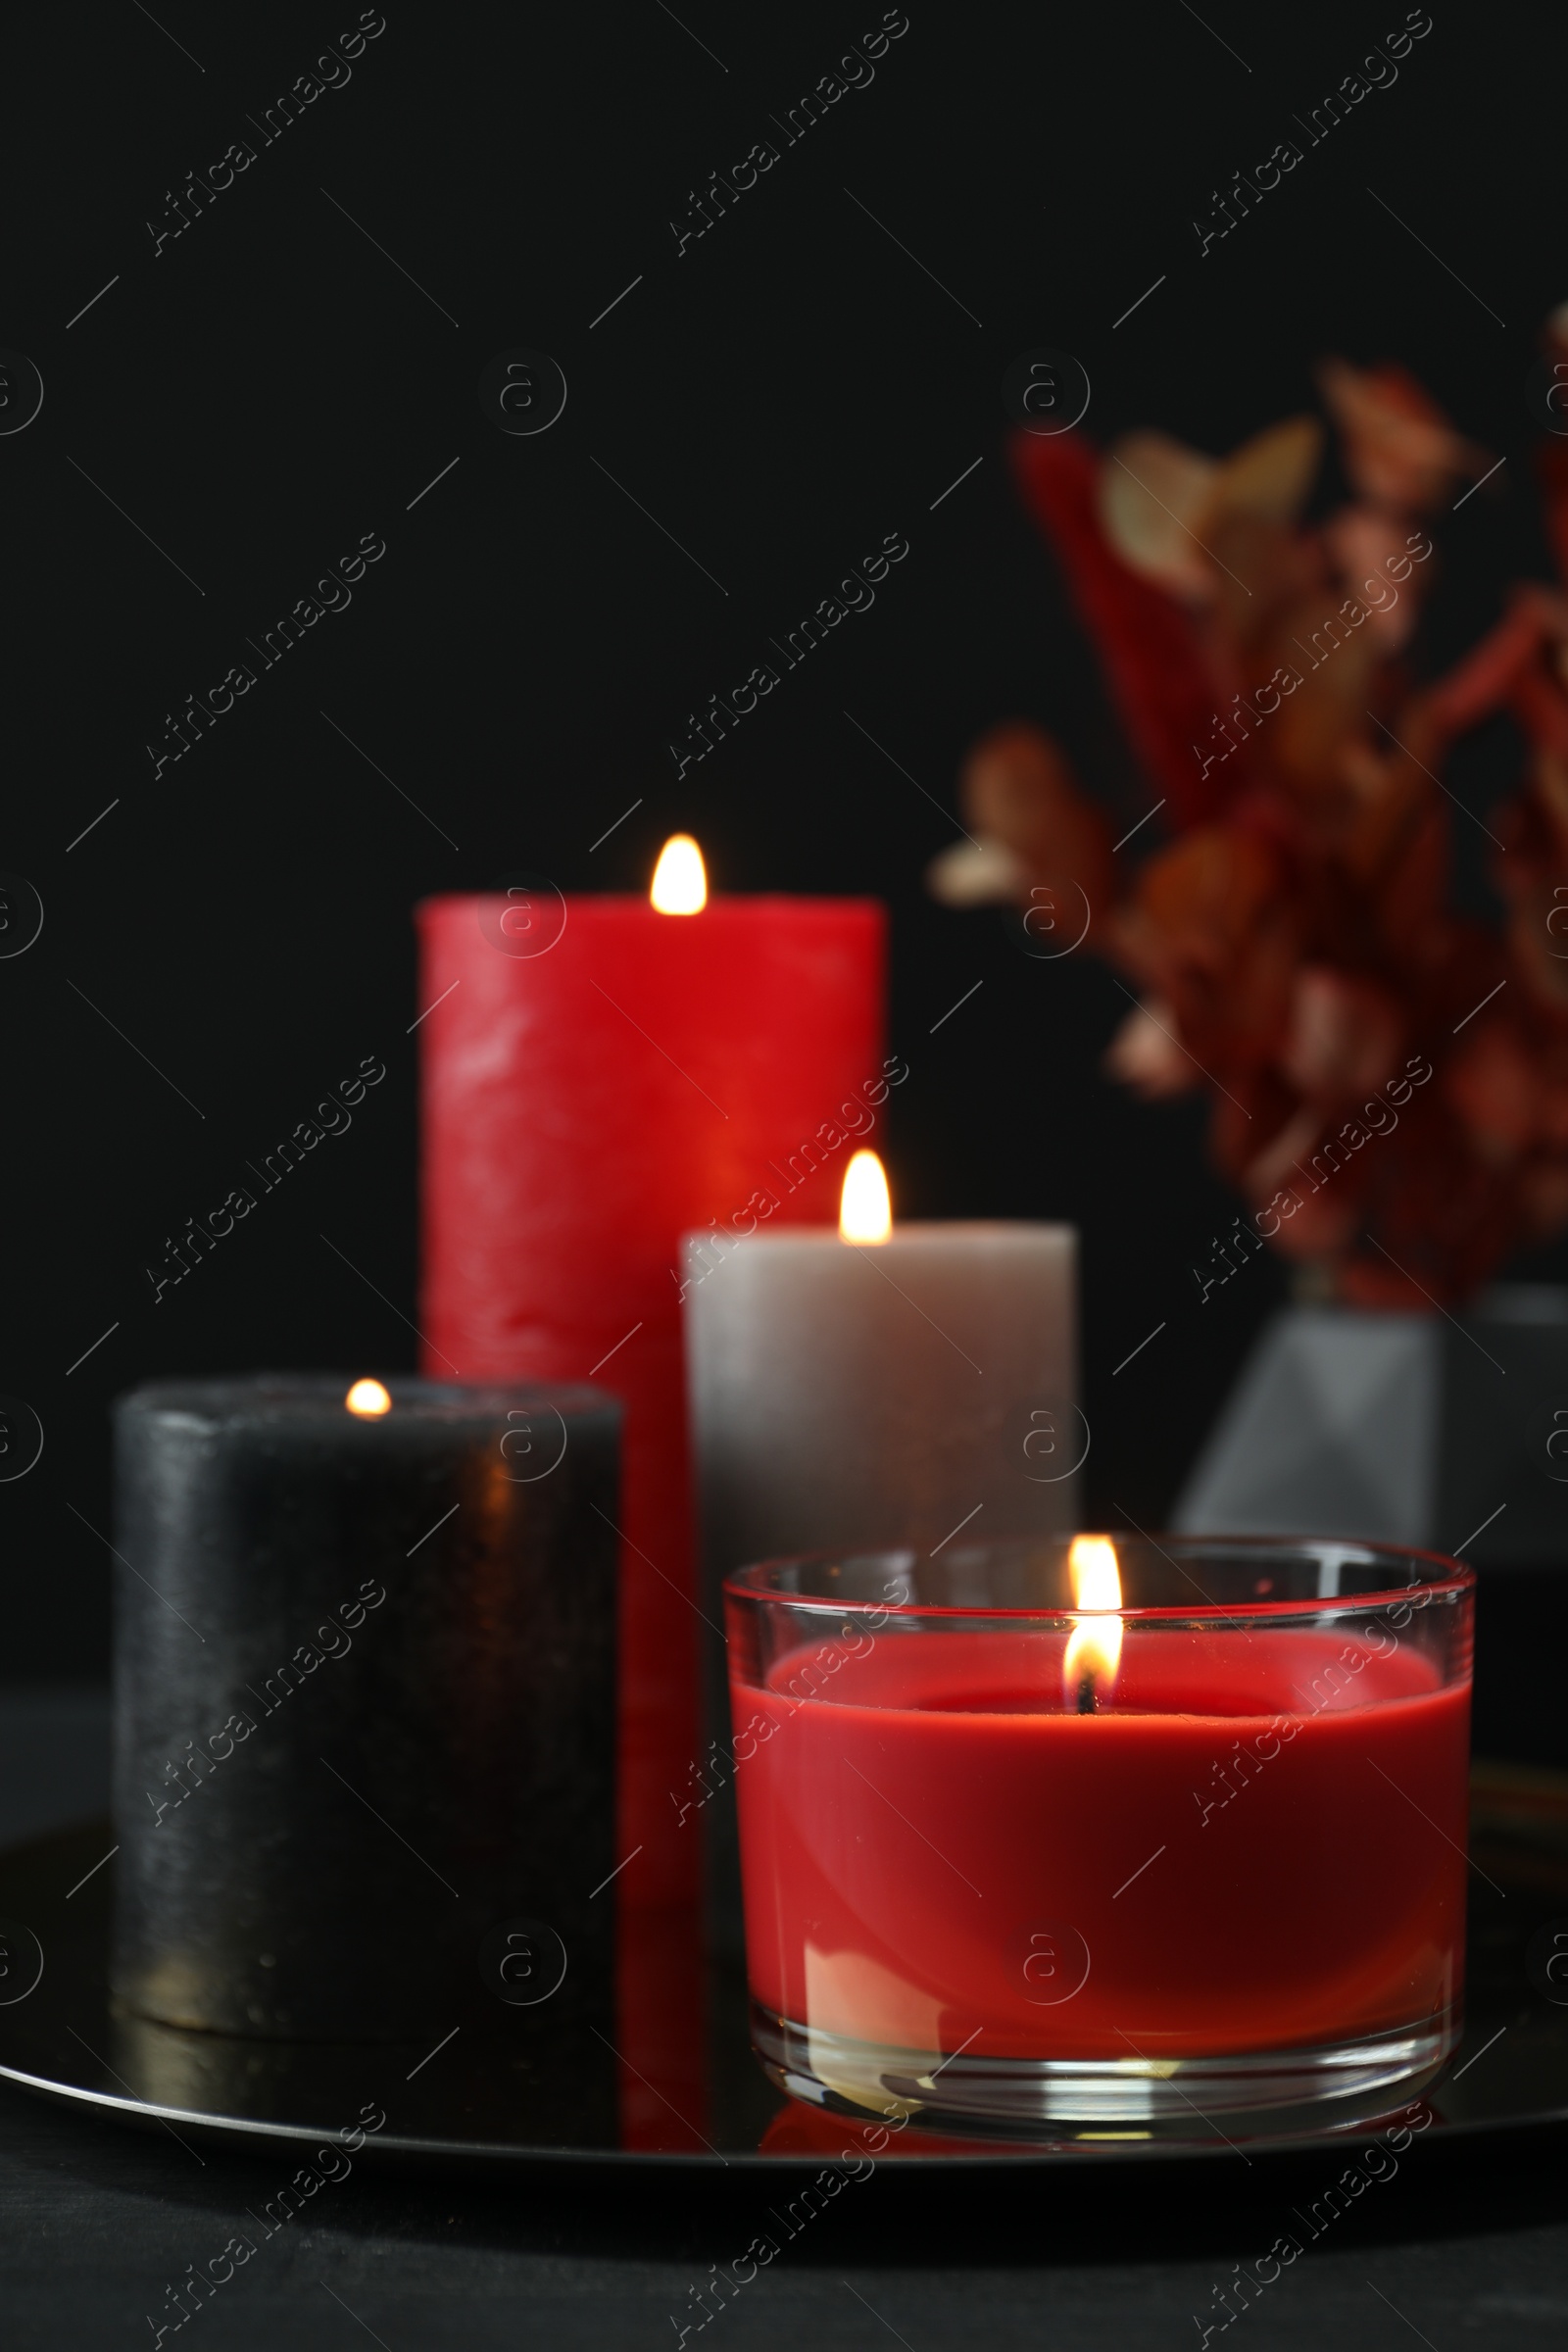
{"points": [[553, 2089]]}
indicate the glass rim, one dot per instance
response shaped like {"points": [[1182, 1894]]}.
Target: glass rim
{"points": [[1452, 1578]]}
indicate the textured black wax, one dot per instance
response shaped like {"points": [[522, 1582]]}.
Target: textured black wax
{"points": [[364, 1705]]}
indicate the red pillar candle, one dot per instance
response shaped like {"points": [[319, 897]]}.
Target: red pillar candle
{"points": [[1208, 1851], [600, 1077]]}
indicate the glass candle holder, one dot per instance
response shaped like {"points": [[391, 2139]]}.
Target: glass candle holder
{"points": [[1104, 1830]]}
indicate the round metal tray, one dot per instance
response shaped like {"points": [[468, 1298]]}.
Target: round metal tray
{"points": [[553, 2089]]}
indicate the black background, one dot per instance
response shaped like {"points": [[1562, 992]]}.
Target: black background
{"points": [[788, 390]]}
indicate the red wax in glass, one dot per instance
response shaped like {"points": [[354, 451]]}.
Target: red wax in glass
{"points": [[924, 1838], [584, 1104]]}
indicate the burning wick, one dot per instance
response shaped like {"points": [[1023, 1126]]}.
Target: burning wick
{"points": [[681, 881], [1093, 1647], [865, 1211], [368, 1398]]}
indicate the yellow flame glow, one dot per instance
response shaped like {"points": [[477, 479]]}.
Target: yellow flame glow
{"points": [[369, 1399], [1093, 1647], [681, 883], [866, 1213]]}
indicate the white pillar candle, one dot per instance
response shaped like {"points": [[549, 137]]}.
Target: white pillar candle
{"points": [[916, 1390]]}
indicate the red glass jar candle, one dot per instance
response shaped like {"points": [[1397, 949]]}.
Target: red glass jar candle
{"points": [[1053, 1829]]}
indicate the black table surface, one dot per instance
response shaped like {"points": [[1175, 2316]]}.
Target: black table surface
{"points": [[1469, 2248]]}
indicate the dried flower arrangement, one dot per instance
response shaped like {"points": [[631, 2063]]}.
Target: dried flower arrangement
{"points": [[1390, 1078]]}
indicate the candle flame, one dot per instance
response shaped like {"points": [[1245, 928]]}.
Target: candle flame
{"points": [[866, 1213], [1093, 1647], [369, 1399], [680, 883]]}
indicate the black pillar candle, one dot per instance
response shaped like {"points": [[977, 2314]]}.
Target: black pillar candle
{"points": [[365, 1707]]}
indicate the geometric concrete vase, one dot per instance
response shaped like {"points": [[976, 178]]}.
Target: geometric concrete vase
{"points": [[1447, 1432], [1330, 1429]]}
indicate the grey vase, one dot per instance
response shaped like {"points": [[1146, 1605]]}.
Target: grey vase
{"points": [[1448, 1432]]}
